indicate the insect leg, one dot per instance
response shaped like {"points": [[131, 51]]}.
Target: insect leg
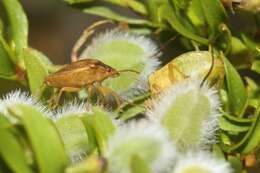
{"points": [[64, 89], [110, 100]]}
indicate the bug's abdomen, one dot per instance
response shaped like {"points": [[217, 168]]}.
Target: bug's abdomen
{"points": [[76, 78]]}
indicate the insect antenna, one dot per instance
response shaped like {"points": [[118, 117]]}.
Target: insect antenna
{"points": [[133, 71], [211, 67], [84, 37]]}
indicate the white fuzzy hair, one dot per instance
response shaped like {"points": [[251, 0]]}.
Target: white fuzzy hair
{"points": [[19, 97], [70, 108], [209, 126], [142, 129], [150, 60], [203, 160]]}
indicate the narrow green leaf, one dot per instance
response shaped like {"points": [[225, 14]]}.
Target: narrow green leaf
{"points": [[92, 142], [137, 6], [133, 4], [253, 45], [256, 66], [237, 96], [4, 123], [238, 120], [107, 13], [237, 46], [44, 138], [153, 7], [1, 27], [254, 138], [196, 15], [45, 60], [235, 163], [215, 14], [217, 152], [182, 4], [103, 127], [13, 153], [11, 150], [36, 72], [74, 135], [131, 112], [7, 67], [18, 24], [250, 141], [231, 126], [138, 165], [166, 12]]}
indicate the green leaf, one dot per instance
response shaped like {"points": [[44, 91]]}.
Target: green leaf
{"points": [[152, 7], [253, 45], [232, 126], [182, 4], [196, 15], [7, 67], [251, 139], [74, 135], [137, 6], [237, 96], [237, 46], [256, 66], [1, 27], [11, 150], [217, 152], [18, 25], [131, 109], [133, 4], [103, 127], [215, 14], [238, 120], [167, 13], [44, 138], [36, 72], [138, 165], [132, 112], [107, 13], [235, 163], [92, 141], [254, 138]]}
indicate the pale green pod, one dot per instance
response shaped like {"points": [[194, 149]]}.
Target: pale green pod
{"points": [[189, 112], [195, 64], [201, 162], [147, 141], [125, 51]]}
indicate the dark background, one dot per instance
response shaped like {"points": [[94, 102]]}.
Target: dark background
{"points": [[54, 27]]}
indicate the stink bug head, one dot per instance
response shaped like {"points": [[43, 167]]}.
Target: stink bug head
{"points": [[110, 72]]}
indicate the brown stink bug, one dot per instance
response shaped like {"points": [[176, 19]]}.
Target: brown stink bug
{"points": [[83, 73]]}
